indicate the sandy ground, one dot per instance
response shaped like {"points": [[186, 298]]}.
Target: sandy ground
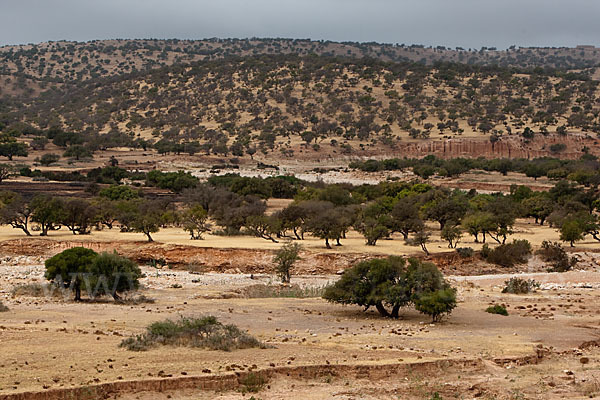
{"points": [[354, 243], [53, 343]]}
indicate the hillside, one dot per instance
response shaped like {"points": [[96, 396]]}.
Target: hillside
{"points": [[34, 67], [284, 103]]}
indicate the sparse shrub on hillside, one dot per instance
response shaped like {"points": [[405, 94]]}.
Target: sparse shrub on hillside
{"points": [[497, 309], [517, 285], [554, 254], [206, 332], [3, 308], [509, 254]]}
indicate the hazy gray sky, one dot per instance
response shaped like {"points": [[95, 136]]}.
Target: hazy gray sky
{"points": [[465, 23]]}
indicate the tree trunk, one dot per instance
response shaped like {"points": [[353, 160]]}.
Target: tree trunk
{"points": [[381, 309], [395, 311], [77, 292], [327, 243], [337, 242], [148, 236]]}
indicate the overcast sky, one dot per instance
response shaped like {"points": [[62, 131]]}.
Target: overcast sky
{"points": [[465, 23]]}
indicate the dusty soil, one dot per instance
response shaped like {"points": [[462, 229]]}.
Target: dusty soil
{"points": [[51, 344]]}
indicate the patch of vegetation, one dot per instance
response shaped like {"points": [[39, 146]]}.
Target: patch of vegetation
{"points": [[517, 285], [554, 254], [3, 308], [36, 290], [509, 254], [262, 291], [285, 258], [135, 300], [497, 309], [465, 252], [98, 274], [206, 332], [252, 383], [394, 283]]}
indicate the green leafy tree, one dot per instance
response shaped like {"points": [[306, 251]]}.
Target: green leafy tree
{"points": [[389, 284], [47, 212], [148, 217], [571, 231], [452, 234], [539, 207], [373, 222], [15, 211], [327, 222], [111, 274], [263, 226], [175, 181], [6, 171], [69, 267], [77, 152], [420, 238], [77, 215], [285, 258], [195, 221], [119, 192], [405, 217], [12, 149], [48, 159]]}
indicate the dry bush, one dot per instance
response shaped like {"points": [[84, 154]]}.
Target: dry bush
{"points": [[206, 332], [554, 254], [39, 290], [520, 286], [263, 291]]}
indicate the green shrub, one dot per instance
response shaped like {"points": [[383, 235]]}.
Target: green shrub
{"points": [[465, 252], [554, 254], [509, 254], [206, 332], [519, 286], [497, 309], [437, 304]]}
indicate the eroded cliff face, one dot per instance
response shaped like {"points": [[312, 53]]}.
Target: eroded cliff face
{"points": [[506, 147]]}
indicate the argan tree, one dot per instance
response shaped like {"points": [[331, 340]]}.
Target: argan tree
{"points": [[68, 268], [391, 283], [285, 258]]}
